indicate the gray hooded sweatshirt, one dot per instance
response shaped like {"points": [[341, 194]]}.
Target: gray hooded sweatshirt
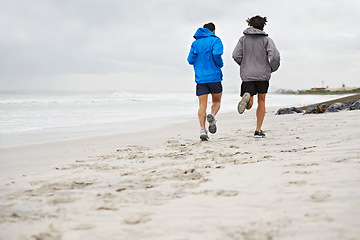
{"points": [[257, 55]]}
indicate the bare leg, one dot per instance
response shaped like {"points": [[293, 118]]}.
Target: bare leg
{"points": [[260, 111], [250, 103], [202, 110], [216, 100]]}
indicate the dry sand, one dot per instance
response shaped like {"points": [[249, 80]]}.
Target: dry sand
{"points": [[301, 182]]}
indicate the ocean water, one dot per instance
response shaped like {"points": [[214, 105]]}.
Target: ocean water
{"points": [[28, 112], [23, 115]]}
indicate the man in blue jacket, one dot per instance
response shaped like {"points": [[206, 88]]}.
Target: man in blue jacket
{"points": [[205, 56]]}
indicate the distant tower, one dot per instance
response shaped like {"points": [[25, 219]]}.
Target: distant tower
{"points": [[322, 83]]}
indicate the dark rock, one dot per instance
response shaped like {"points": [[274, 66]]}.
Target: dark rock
{"points": [[355, 105], [323, 107], [291, 110], [348, 103], [283, 111], [316, 109], [332, 109], [297, 110], [311, 109], [336, 107]]}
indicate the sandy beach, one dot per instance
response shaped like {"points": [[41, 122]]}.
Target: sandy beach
{"points": [[301, 182]]}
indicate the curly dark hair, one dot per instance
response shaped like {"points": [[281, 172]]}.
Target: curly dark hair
{"points": [[210, 26], [257, 22]]}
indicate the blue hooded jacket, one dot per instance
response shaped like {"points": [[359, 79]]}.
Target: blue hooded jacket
{"points": [[205, 56]]}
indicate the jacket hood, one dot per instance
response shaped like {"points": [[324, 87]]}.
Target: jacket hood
{"points": [[254, 31], [203, 32]]}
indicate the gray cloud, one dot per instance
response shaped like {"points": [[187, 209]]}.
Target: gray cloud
{"points": [[144, 44]]}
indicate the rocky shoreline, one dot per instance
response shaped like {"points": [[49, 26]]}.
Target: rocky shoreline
{"points": [[346, 103]]}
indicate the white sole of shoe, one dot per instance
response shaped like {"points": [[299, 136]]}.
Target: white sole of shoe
{"points": [[243, 103]]}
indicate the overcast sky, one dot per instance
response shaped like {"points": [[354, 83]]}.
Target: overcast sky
{"points": [[143, 45]]}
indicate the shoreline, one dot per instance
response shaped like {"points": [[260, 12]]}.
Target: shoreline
{"points": [[300, 182], [65, 150], [35, 156], [44, 135]]}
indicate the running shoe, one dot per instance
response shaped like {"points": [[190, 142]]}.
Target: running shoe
{"points": [[212, 123], [244, 102], [203, 135], [259, 134]]}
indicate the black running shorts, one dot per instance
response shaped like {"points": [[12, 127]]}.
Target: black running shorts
{"points": [[254, 87], [206, 88]]}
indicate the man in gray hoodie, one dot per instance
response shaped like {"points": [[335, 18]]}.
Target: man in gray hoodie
{"points": [[258, 57]]}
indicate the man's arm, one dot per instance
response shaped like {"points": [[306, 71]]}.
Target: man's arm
{"points": [[237, 54], [217, 51], [273, 55], [191, 57]]}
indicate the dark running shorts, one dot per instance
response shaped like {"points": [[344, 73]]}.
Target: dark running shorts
{"points": [[206, 88], [254, 87]]}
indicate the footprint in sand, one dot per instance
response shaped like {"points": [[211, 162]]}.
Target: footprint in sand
{"points": [[40, 236], [190, 174], [83, 227], [318, 216], [227, 193], [297, 183], [219, 193], [303, 172], [320, 196], [61, 200], [137, 218]]}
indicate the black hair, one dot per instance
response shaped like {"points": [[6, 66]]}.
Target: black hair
{"points": [[209, 26], [257, 22]]}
